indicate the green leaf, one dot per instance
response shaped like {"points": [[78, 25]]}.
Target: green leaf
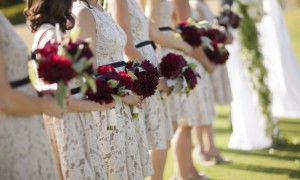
{"points": [[132, 75], [74, 34], [92, 83], [61, 93], [117, 98], [193, 65], [83, 88], [113, 83]]}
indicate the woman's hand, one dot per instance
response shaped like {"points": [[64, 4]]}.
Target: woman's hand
{"points": [[133, 100], [164, 86], [210, 67], [186, 48]]}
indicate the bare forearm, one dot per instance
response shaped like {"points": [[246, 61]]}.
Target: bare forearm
{"points": [[16, 104]]}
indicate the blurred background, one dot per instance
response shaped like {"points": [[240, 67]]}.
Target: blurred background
{"points": [[282, 162]]}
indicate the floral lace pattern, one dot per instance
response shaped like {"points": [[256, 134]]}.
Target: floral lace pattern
{"points": [[120, 149], [24, 144], [158, 127]]}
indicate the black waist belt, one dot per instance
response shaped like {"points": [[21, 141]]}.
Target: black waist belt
{"points": [[165, 29], [145, 43], [20, 82], [118, 64]]}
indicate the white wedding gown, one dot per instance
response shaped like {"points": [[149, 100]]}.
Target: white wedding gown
{"points": [[248, 123], [280, 61]]}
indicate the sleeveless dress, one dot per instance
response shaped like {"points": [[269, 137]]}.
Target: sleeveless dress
{"points": [[158, 127], [119, 148], [220, 79], [24, 143], [199, 105], [73, 137], [173, 109]]}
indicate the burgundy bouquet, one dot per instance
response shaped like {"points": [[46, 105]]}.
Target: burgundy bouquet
{"points": [[190, 33], [61, 61], [217, 53], [111, 85], [215, 35], [228, 19], [145, 77], [180, 75]]}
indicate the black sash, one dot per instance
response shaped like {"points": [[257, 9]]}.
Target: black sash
{"points": [[20, 82], [145, 43], [165, 28]]}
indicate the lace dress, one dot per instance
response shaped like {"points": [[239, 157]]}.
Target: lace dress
{"points": [[220, 79], [119, 148], [73, 137], [25, 146], [200, 102], [158, 126], [173, 102]]}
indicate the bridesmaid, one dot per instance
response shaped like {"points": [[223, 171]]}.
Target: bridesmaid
{"points": [[119, 149], [158, 124], [24, 144], [200, 101], [73, 136], [221, 89]]}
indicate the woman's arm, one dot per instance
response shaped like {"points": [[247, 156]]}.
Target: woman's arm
{"points": [[119, 11], [152, 9], [182, 12], [15, 103]]}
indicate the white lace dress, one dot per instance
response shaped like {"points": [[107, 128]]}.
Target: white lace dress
{"points": [[119, 148], [220, 79], [25, 146], [199, 106], [158, 126], [171, 103], [73, 137]]}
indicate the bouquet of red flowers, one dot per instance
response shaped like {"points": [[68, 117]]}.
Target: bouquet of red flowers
{"points": [[213, 43], [179, 74], [228, 18], [61, 61], [145, 77], [218, 53], [111, 85], [190, 33]]}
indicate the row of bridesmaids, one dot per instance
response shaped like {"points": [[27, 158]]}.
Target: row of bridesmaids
{"points": [[80, 145]]}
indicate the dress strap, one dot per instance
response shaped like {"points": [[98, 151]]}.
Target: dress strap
{"points": [[39, 33]]}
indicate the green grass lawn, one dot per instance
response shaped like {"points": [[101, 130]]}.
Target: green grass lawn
{"points": [[14, 13], [278, 163]]}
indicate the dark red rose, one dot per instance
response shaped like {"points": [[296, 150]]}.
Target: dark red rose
{"points": [[56, 68], [220, 54], [215, 35], [191, 77], [125, 80], [103, 94], [105, 69], [49, 49], [190, 33], [72, 47], [147, 81], [171, 65]]}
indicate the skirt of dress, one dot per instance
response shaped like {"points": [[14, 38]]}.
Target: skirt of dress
{"points": [[75, 146], [120, 148], [199, 105], [221, 85], [25, 149]]}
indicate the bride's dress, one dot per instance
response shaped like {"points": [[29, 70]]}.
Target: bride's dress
{"points": [[248, 123], [280, 60]]}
